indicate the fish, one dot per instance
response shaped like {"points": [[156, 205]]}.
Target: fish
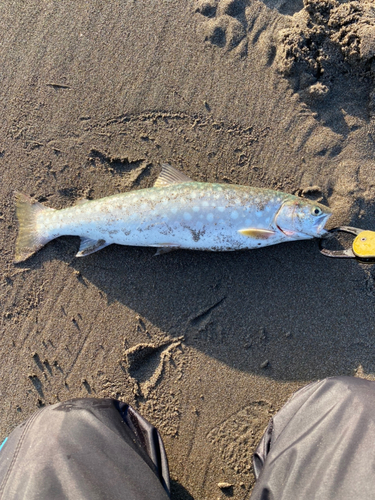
{"points": [[176, 213]]}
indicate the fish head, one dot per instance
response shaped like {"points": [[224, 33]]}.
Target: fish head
{"points": [[302, 219]]}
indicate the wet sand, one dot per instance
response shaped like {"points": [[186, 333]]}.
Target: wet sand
{"points": [[94, 97]]}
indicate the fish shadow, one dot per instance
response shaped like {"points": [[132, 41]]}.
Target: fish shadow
{"points": [[284, 312]]}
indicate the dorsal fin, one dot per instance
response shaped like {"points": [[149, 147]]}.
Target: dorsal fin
{"points": [[170, 175]]}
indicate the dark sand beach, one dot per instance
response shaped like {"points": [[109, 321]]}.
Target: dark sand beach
{"points": [[94, 97]]}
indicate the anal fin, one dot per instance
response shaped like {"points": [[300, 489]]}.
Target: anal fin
{"points": [[88, 246], [166, 248], [258, 234]]}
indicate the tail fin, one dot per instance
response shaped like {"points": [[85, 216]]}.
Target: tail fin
{"points": [[29, 240]]}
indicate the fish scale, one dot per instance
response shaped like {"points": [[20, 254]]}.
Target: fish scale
{"points": [[176, 213]]}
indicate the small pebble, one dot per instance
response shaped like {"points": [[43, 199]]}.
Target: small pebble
{"points": [[265, 364], [224, 485]]}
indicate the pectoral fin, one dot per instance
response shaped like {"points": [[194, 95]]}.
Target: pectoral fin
{"points": [[258, 234], [88, 246]]}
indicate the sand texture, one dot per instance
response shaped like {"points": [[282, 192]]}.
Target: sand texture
{"points": [[94, 97]]}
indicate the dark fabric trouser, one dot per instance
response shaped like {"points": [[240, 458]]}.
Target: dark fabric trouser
{"points": [[321, 445], [84, 449]]}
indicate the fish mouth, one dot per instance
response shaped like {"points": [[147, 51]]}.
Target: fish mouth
{"points": [[320, 231], [317, 230]]}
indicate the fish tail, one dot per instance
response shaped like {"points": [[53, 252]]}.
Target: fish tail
{"points": [[29, 239]]}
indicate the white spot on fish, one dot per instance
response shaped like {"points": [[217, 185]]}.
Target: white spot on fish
{"points": [[193, 195], [174, 210], [187, 216], [144, 206], [210, 217], [234, 214], [204, 203], [221, 209], [196, 209]]}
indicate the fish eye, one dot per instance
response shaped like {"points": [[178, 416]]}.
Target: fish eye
{"points": [[316, 211]]}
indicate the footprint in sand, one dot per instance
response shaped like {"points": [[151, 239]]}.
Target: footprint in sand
{"points": [[226, 24], [145, 363]]}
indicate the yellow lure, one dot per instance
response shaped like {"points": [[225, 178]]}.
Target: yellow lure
{"points": [[364, 245]]}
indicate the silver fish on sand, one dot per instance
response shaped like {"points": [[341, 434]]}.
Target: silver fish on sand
{"points": [[176, 213]]}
